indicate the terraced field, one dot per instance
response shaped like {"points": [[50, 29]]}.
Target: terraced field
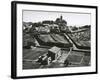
{"points": [[82, 38], [76, 59], [30, 55], [53, 38], [59, 38], [33, 54], [46, 38]]}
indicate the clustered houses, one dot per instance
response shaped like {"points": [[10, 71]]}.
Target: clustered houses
{"points": [[46, 26]]}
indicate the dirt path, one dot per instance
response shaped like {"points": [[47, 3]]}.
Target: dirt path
{"points": [[64, 56]]}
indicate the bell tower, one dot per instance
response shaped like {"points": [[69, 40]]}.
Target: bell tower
{"points": [[61, 17]]}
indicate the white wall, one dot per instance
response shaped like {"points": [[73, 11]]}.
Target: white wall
{"points": [[5, 40]]}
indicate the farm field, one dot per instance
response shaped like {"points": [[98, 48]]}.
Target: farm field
{"points": [[81, 38], [78, 59], [56, 38], [75, 58], [33, 54], [30, 55]]}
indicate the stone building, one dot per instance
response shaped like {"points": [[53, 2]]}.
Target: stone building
{"points": [[54, 53]]}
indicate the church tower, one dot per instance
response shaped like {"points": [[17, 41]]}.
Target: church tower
{"points": [[61, 17]]}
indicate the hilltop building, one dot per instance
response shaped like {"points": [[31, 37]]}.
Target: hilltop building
{"points": [[46, 26], [61, 23]]}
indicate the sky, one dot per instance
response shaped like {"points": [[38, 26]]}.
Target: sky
{"points": [[73, 19]]}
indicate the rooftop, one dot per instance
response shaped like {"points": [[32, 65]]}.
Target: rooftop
{"points": [[55, 49]]}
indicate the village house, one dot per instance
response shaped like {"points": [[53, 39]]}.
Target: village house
{"points": [[43, 29], [54, 53]]}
